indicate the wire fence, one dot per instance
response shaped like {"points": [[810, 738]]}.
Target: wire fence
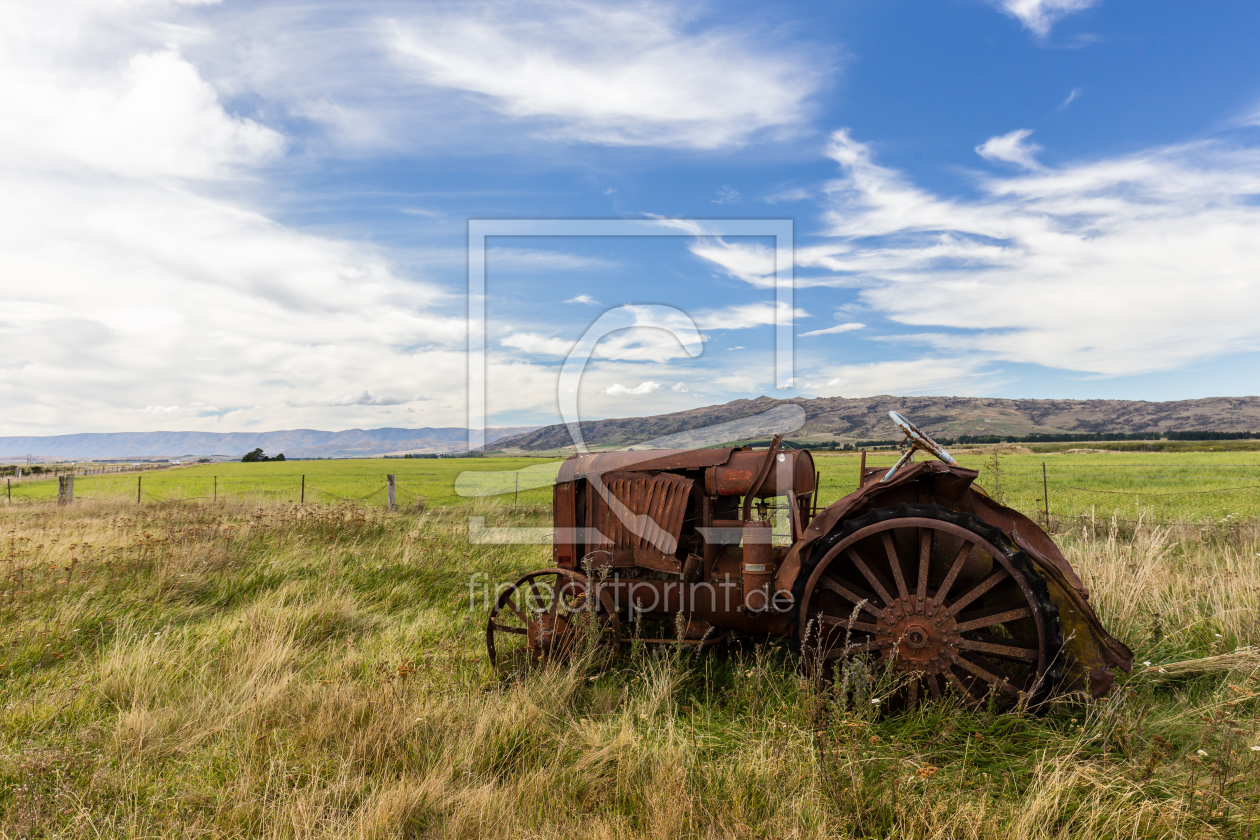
{"points": [[1197, 491]]}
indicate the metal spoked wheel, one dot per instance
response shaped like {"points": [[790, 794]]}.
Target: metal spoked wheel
{"points": [[546, 616], [948, 599]]}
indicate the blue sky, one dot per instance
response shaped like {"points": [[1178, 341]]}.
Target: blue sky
{"points": [[229, 215]]}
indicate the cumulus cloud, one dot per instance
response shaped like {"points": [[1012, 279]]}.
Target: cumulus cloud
{"points": [[1117, 266], [132, 277], [637, 74], [1040, 16], [587, 299], [617, 389], [650, 337], [1011, 148]]}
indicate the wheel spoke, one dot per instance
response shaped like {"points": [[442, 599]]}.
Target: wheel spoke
{"points": [[1004, 651], [925, 556], [508, 602], [895, 562], [912, 693], [536, 596], [959, 561], [967, 697], [979, 589], [934, 685], [862, 647], [851, 593], [867, 573], [503, 628], [990, 678], [1007, 614], [844, 622], [557, 595]]}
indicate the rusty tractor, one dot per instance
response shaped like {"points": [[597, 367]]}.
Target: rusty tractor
{"points": [[918, 569]]}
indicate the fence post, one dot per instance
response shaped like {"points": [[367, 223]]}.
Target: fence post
{"points": [[303, 490], [389, 481], [862, 470], [1045, 493], [216, 488], [138, 478], [8, 483], [65, 489]]}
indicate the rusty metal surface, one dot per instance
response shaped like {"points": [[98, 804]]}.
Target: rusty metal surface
{"points": [[767, 462], [735, 476], [582, 466], [657, 504]]}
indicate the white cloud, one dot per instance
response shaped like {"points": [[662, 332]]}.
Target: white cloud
{"points": [[1011, 148], [638, 74], [366, 398], [1120, 266], [745, 316], [679, 388], [130, 279], [836, 330], [1039, 16], [587, 299], [649, 338], [937, 376], [751, 262], [1071, 97], [537, 345], [644, 388], [157, 117]]}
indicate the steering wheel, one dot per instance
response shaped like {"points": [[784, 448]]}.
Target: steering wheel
{"points": [[918, 440]]}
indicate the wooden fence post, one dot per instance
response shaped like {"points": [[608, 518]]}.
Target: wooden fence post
{"points": [[1045, 493], [393, 503], [216, 488], [65, 489], [303, 490], [137, 489]]}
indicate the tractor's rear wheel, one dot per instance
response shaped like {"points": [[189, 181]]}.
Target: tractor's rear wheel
{"points": [[547, 616], [945, 599]]}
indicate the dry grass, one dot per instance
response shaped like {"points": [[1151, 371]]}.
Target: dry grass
{"points": [[254, 671]]}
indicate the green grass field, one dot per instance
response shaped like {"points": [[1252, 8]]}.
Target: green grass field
{"points": [[258, 670], [1220, 486]]}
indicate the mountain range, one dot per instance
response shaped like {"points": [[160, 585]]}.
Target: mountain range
{"points": [[866, 418], [294, 443]]}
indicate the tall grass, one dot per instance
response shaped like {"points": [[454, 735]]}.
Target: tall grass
{"points": [[253, 670]]}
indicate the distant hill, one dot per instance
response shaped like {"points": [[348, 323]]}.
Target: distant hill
{"points": [[295, 443], [866, 418]]}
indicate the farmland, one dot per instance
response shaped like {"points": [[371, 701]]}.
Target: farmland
{"points": [[1196, 486], [252, 668]]}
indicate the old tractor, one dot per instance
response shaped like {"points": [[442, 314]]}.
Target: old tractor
{"points": [[918, 569]]}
